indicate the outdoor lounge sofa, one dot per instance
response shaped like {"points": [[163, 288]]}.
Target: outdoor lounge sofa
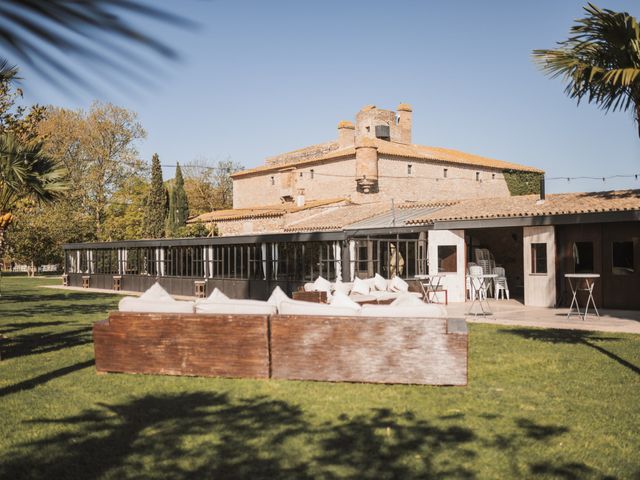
{"points": [[377, 344]]}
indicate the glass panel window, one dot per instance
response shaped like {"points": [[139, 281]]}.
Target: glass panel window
{"points": [[622, 258], [447, 258], [539, 258], [583, 257]]}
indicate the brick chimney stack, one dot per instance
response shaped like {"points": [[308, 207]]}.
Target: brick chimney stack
{"points": [[405, 122], [346, 134], [367, 165]]}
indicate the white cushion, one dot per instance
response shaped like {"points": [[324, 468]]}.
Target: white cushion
{"points": [[134, 304], [422, 311], [297, 307], [399, 285], [309, 287], [156, 294], [277, 296], [407, 300], [216, 297], [342, 287], [322, 285], [242, 307], [384, 296], [380, 282], [360, 286], [339, 299]]}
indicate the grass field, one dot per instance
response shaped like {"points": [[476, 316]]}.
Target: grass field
{"points": [[540, 404]]}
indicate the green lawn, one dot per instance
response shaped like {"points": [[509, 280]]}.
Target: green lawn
{"points": [[540, 404]]}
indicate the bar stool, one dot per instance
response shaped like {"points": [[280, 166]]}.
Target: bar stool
{"points": [[200, 288], [85, 281], [117, 282]]}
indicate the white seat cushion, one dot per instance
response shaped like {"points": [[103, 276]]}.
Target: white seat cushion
{"points": [[356, 297], [277, 296], [343, 287], [216, 297], [360, 286], [297, 307], [407, 300], [241, 307], [309, 287], [322, 285], [156, 293], [399, 285], [134, 304], [339, 299], [380, 282], [419, 311]]}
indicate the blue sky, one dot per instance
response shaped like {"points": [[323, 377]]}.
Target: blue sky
{"points": [[263, 77]]}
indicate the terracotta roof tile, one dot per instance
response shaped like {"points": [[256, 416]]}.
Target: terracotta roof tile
{"points": [[532, 206], [338, 217], [438, 154], [261, 212]]}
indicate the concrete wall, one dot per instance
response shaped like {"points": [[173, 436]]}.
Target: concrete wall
{"points": [[539, 289], [454, 283]]}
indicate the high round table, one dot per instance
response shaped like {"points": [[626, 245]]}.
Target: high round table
{"points": [[588, 281]]}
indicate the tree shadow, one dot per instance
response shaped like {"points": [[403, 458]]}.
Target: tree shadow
{"points": [[578, 337], [212, 435], [37, 343], [44, 378]]}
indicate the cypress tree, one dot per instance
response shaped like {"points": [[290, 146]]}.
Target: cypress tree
{"points": [[170, 224], [156, 207], [181, 204]]}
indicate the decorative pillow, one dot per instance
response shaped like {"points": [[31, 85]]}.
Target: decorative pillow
{"points": [[399, 285], [407, 300], [380, 282], [277, 296], [360, 286], [156, 294], [309, 287], [342, 287], [322, 285], [371, 282], [340, 299], [216, 297]]}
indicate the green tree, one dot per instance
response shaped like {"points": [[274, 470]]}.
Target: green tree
{"points": [[600, 61], [156, 204], [98, 148], [125, 218], [26, 174], [209, 187], [181, 203]]}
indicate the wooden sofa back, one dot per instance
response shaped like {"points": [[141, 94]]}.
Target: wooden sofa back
{"points": [[429, 351], [183, 344]]}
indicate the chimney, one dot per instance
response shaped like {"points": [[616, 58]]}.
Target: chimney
{"points": [[346, 134], [405, 122]]}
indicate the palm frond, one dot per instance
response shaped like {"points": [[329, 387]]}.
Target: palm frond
{"points": [[93, 30], [600, 61]]}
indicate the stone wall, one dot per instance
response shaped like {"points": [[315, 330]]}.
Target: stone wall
{"points": [[248, 226]]}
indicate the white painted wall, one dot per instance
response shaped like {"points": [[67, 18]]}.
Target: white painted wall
{"points": [[452, 282], [540, 289]]}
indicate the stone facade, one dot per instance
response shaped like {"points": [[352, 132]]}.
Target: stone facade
{"points": [[372, 160]]}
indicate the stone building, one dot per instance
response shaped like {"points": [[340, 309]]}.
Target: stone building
{"points": [[373, 160]]}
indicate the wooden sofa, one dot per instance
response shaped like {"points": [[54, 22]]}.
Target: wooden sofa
{"points": [[426, 351]]}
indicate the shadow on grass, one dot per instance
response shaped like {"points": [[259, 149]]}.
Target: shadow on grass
{"points": [[36, 343], [44, 378], [210, 435], [577, 337]]}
